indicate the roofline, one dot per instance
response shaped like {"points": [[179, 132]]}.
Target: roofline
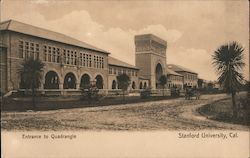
{"points": [[58, 41], [187, 71], [123, 66], [48, 38], [175, 74]]}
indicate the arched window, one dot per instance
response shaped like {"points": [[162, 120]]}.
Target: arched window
{"points": [[99, 82], [114, 84], [51, 80], [145, 85], [69, 81], [141, 85], [158, 74], [133, 84], [85, 81]]}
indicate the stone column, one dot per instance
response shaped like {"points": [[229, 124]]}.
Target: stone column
{"points": [[78, 86]]}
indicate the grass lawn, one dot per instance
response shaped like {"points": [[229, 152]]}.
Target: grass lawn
{"points": [[221, 110]]}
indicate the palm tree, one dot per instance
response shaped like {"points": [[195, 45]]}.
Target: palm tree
{"points": [[31, 75], [228, 60]]}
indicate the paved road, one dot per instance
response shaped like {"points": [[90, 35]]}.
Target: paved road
{"points": [[174, 114]]}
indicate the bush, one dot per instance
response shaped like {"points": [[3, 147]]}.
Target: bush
{"points": [[90, 93], [145, 93]]}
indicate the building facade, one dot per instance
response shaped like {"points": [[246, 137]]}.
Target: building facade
{"points": [[174, 80], [71, 64], [117, 67], [150, 58], [190, 78]]}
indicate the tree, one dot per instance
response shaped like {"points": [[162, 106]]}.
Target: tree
{"points": [[163, 82], [228, 60], [200, 83], [31, 76], [123, 83]]}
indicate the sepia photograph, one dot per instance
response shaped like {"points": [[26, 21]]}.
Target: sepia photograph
{"points": [[123, 78]]}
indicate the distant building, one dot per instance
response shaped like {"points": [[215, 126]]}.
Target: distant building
{"points": [[190, 77], [174, 80]]}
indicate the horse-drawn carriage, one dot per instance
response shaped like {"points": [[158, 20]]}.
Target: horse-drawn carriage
{"points": [[192, 92]]}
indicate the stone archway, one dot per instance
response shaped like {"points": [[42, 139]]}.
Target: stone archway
{"points": [[85, 81], [114, 84], [99, 82], [158, 74], [69, 81], [133, 85], [51, 80], [141, 85]]}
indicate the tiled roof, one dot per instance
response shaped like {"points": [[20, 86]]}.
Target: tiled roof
{"points": [[20, 27], [171, 72], [178, 68], [116, 62]]}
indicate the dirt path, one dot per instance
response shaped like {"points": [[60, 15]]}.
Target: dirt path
{"points": [[175, 114]]}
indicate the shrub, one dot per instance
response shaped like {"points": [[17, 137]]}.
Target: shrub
{"points": [[90, 93], [145, 93]]}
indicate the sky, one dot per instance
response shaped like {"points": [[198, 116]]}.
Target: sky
{"points": [[193, 29]]}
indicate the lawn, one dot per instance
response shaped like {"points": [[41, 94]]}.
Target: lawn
{"points": [[222, 110]]}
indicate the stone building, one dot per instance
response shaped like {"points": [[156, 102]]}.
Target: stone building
{"points": [[190, 78], [71, 64], [117, 67], [174, 80], [150, 56]]}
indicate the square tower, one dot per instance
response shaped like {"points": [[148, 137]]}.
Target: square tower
{"points": [[150, 58]]}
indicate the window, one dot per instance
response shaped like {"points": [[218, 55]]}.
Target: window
{"points": [[110, 70], [80, 59], [26, 50], [37, 50], [45, 53], [58, 55], [49, 54], [54, 55], [90, 63], [21, 47]]}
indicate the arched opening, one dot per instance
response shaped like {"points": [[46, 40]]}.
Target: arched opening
{"points": [[85, 81], [114, 84], [133, 85], [145, 85], [141, 85], [158, 74], [99, 82], [69, 81], [51, 80]]}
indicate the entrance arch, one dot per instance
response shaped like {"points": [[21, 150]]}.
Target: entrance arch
{"points": [[141, 85], [158, 74], [51, 80], [133, 85], [69, 81], [99, 82], [114, 84], [85, 81]]}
